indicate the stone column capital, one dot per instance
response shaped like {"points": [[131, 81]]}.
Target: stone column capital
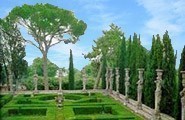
{"points": [[183, 74], [127, 69], [140, 69]]}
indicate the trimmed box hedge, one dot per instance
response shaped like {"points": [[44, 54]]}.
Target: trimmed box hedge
{"points": [[29, 111], [5, 99], [92, 110]]}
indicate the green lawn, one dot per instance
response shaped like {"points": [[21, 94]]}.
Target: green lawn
{"points": [[75, 107]]}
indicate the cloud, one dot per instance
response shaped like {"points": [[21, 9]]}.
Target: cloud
{"points": [[164, 15], [99, 14]]}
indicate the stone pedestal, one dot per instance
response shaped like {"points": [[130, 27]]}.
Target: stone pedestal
{"points": [[84, 79], [158, 92], [127, 84], [35, 79], [182, 93], [60, 100], [139, 89], [111, 80], [117, 81]]}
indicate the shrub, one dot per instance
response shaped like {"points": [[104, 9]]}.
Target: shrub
{"points": [[90, 100], [47, 97], [92, 110], [27, 95], [72, 97], [38, 111], [23, 100], [5, 99]]}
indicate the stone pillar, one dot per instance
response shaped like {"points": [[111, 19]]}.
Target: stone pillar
{"points": [[117, 80], [107, 79], [139, 89], [60, 79], [111, 80], [127, 84], [182, 93], [84, 79], [35, 79], [158, 93]]}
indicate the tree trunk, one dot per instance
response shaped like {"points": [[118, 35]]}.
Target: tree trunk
{"points": [[10, 78], [6, 72], [98, 76], [45, 71]]}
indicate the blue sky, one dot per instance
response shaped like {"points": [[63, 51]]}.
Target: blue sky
{"points": [[145, 17]]}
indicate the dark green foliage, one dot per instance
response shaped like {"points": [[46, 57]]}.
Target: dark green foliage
{"points": [[72, 97], [121, 65], [42, 15], [138, 59], [12, 58], [47, 97], [128, 52], [5, 99], [154, 62], [24, 101], [114, 79], [103, 77], [169, 76], [71, 72], [179, 86], [92, 110], [26, 111], [133, 67], [1, 72], [37, 66]]}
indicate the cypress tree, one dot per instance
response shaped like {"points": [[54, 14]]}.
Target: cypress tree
{"points": [[154, 62], [149, 85], [138, 59], [179, 87], [1, 72], [71, 72], [128, 52], [114, 79], [121, 65], [133, 67], [169, 73], [104, 72]]}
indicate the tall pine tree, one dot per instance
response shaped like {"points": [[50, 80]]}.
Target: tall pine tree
{"points": [[169, 73], [71, 72]]}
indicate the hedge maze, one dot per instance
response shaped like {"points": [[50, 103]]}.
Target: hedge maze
{"points": [[79, 106]]}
